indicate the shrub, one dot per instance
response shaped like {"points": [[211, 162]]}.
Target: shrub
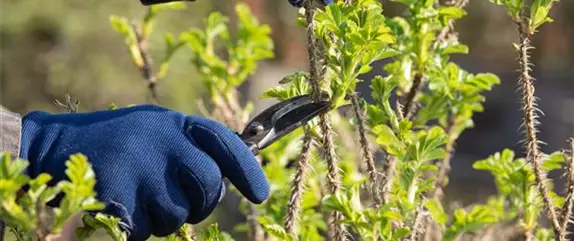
{"points": [[335, 189]]}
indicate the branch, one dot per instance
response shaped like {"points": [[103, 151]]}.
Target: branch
{"points": [[416, 228], [530, 119], [336, 230], [367, 154], [146, 67], [568, 208], [409, 106], [71, 107], [294, 206], [438, 192]]}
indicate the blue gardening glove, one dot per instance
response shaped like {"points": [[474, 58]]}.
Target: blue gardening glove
{"points": [[155, 168]]}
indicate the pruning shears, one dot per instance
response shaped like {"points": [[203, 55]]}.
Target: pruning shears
{"points": [[279, 120]]}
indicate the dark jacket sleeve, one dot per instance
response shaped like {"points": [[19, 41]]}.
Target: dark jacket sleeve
{"points": [[10, 132]]}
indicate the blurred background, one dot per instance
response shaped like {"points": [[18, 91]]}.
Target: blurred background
{"points": [[51, 48]]}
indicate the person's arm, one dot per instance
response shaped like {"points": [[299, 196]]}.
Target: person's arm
{"points": [[10, 132]]}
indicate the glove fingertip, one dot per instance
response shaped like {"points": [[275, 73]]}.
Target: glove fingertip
{"points": [[233, 157]]}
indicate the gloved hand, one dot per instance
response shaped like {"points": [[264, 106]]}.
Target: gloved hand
{"points": [[294, 3], [155, 168]]}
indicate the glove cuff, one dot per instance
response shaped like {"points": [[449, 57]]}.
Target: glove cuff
{"points": [[30, 138]]}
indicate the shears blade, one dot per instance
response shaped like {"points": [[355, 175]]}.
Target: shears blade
{"points": [[279, 120]]}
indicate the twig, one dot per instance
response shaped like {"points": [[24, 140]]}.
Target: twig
{"points": [[336, 230], [367, 153], [389, 170], [409, 100], [530, 118], [438, 192], [419, 215], [294, 206], [409, 103], [146, 67], [70, 106], [444, 33], [222, 109], [256, 233], [567, 217]]}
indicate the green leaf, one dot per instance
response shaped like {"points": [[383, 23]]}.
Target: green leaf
{"points": [[212, 233], [456, 49], [274, 229], [436, 211], [385, 135], [109, 223], [553, 161], [539, 14], [451, 12]]}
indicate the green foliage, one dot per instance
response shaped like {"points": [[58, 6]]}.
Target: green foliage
{"points": [[108, 223], [354, 36], [252, 44], [478, 218], [28, 211], [368, 223], [538, 15], [515, 182], [130, 31], [443, 98], [212, 233]]}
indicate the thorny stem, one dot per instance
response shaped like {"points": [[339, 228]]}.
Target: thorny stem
{"points": [[409, 106], [294, 206], [336, 230], [417, 223], [530, 119], [567, 217], [389, 175], [445, 163], [367, 154], [146, 67]]}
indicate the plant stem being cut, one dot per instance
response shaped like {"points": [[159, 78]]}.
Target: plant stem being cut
{"points": [[336, 230]]}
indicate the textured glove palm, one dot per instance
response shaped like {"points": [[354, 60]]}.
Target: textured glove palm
{"points": [[155, 168]]}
